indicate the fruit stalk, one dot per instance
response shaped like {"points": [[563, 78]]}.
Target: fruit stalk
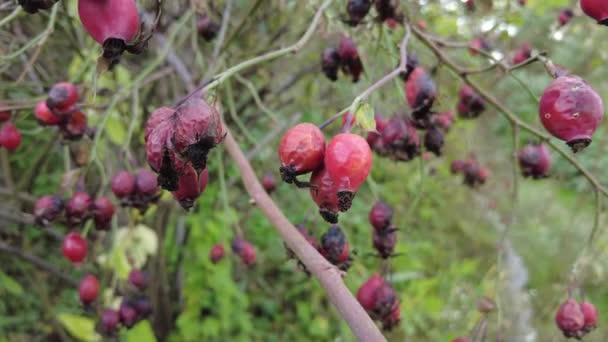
{"points": [[328, 275]]}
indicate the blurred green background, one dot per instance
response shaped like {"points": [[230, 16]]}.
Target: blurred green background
{"points": [[448, 233]]}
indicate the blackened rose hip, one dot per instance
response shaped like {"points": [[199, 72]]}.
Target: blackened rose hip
{"points": [[334, 248], [571, 111], [301, 151], [330, 63], [380, 215], [349, 58], [420, 91], [62, 96], [535, 160]]}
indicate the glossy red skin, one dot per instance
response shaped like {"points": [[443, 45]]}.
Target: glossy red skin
{"points": [[62, 96], [570, 109], [109, 321], [74, 247], [88, 289], [123, 184], [366, 295], [419, 85], [145, 182], [569, 318], [217, 253], [325, 192], [105, 19], [190, 187], [138, 279], [10, 138], [44, 115], [348, 161], [302, 148], [590, 315], [522, 53], [596, 9], [380, 215], [103, 210], [78, 205]]}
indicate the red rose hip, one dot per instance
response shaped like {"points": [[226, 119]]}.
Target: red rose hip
{"points": [[301, 151], [103, 210], [88, 289], [571, 111], [10, 138], [570, 318], [366, 295], [74, 247], [324, 193], [44, 115], [123, 184], [217, 253], [590, 315], [47, 209], [596, 9]]}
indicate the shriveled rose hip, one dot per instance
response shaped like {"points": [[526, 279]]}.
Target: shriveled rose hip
{"points": [[569, 318], [385, 241], [349, 58], [357, 10], [380, 215], [190, 187], [138, 279], [334, 247], [420, 90], [535, 160], [330, 63], [366, 295], [245, 250], [109, 321], [324, 193], [62, 96]]}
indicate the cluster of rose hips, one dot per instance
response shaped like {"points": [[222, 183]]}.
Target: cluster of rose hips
{"points": [[136, 190], [207, 27], [380, 300], [10, 137], [386, 10], [576, 319], [474, 174], [384, 233], [79, 208], [177, 143], [535, 160], [60, 109], [134, 307], [344, 57], [337, 171], [240, 247], [470, 104], [333, 246]]}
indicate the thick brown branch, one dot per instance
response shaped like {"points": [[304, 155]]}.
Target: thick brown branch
{"points": [[327, 274]]}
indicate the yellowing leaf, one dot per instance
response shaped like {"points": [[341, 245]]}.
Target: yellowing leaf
{"points": [[364, 117], [116, 130], [141, 332], [79, 327]]}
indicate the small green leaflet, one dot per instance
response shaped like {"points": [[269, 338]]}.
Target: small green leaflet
{"points": [[364, 116]]}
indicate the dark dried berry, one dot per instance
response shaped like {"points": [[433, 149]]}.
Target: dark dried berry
{"points": [[128, 314], [334, 247], [207, 28], [78, 208], [142, 306], [47, 209], [470, 104], [139, 279], [269, 182], [109, 321], [387, 10], [535, 160], [357, 10], [245, 250], [385, 300], [374, 139], [411, 64], [330, 63], [385, 241], [33, 6], [433, 140], [103, 210], [123, 184], [457, 166], [349, 58], [217, 253], [381, 215], [190, 187], [420, 91], [400, 139]]}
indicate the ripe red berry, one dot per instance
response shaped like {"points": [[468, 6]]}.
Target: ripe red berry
{"points": [[590, 315], [569, 318], [596, 9], [74, 247], [145, 183], [112, 23], [334, 247], [301, 151], [324, 193], [348, 160], [571, 111], [139, 279], [88, 289], [330, 63], [10, 138], [190, 187], [128, 314], [217, 253], [123, 184], [357, 10], [522, 53], [207, 28], [349, 58], [77, 208], [565, 16], [268, 182], [381, 215], [420, 91], [470, 104], [44, 115], [535, 160], [62, 96], [366, 295], [47, 209], [385, 241], [245, 250], [103, 210], [109, 322]]}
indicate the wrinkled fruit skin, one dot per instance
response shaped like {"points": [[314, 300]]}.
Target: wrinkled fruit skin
{"points": [[420, 91], [357, 10], [474, 174], [207, 28], [138, 279], [78, 208], [385, 241], [324, 193], [108, 323], [565, 16], [330, 63], [268, 182], [571, 111], [217, 253], [570, 319], [176, 138], [245, 250], [535, 160], [47, 209], [380, 301], [145, 183], [190, 187], [334, 248], [88, 289], [301, 151], [470, 105], [103, 210], [433, 140], [348, 160], [400, 139], [62, 97], [596, 9], [45, 116], [74, 247], [590, 315], [349, 58], [10, 138], [381, 215]]}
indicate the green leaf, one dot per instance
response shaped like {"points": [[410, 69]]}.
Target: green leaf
{"points": [[10, 285], [141, 332], [116, 130], [81, 328], [364, 117]]}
